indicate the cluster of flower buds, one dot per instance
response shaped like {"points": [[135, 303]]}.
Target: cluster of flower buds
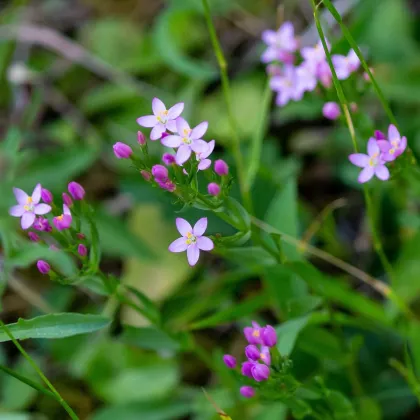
{"points": [[294, 70], [380, 151], [178, 172], [260, 340], [47, 220]]}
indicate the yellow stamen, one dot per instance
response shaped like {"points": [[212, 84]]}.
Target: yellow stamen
{"points": [[262, 355], [60, 217], [256, 333]]}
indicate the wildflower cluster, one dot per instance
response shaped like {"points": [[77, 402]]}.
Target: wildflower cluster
{"points": [[295, 70], [178, 172], [257, 366], [48, 221], [380, 151]]}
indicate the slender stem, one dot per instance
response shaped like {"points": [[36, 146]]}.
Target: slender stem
{"points": [[59, 398], [228, 99], [341, 96]]}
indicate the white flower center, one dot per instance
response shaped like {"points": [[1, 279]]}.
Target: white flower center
{"points": [[163, 117], [29, 206], [191, 239]]}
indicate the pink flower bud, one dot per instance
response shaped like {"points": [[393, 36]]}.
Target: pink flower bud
{"points": [[33, 236], [67, 200], [141, 138], [247, 391], [246, 369], [252, 352], [43, 267], [81, 236], [168, 159], [269, 336], [146, 175], [160, 173], [42, 224], [260, 372], [213, 189], [167, 185], [82, 250], [164, 134], [229, 361], [122, 150], [379, 135], [331, 110], [354, 107], [76, 191], [221, 168], [46, 196]]}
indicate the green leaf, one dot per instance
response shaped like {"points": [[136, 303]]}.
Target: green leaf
{"points": [[253, 257], [55, 326], [368, 408], [28, 253], [341, 406], [149, 338], [234, 312], [149, 307], [170, 25], [283, 215], [340, 292], [288, 332]]}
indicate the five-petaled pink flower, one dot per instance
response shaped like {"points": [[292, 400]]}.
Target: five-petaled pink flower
{"points": [[344, 66], [287, 86], [186, 140], [202, 156], [64, 220], [280, 44], [395, 145], [192, 239], [28, 206], [162, 120], [372, 163]]}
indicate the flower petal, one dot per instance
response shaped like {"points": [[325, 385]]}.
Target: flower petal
{"points": [[204, 243], [199, 131], [183, 226], [157, 131], [171, 141], [372, 147], [204, 164], [182, 125], [269, 55], [384, 145], [36, 194], [382, 172], [193, 253], [210, 148], [269, 37], [200, 227], [20, 195], [175, 111], [171, 126], [359, 159], [147, 121], [158, 106], [42, 209], [366, 174], [27, 220], [66, 210], [393, 133], [183, 154], [17, 211], [199, 146], [178, 245]]}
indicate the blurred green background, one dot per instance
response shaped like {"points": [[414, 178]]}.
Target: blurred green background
{"points": [[74, 76]]}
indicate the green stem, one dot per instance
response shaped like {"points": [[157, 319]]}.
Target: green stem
{"points": [[58, 397], [344, 104], [228, 99]]}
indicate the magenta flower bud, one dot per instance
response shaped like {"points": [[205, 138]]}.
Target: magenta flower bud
{"points": [[122, 150], [146, 175], [42, 224], [260, 372], [141, 138], [82, 250], [247, 391], [43, 267], [164, 134], [269, 336], [252, 352], [81, 236], [331, 110], [379, 135], [67, 200], [230, 361], [160, 173], [167, 185], [33, 236], [221, 168], [76, 191], [246, 369], [168, 159], [46, 196], [213, 189]]}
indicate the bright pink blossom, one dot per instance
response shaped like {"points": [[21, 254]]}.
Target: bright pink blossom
{"points": [[344, 66], [280, 44], [395, 145], [63, 221]]}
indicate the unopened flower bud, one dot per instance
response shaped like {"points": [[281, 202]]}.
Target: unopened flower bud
{"points": [[247, 391], [379, 135], [331, 110], [122, 150], [221, 168], [141, 138], [46, 196], [160, 173], [168, 159], [67, 200], [82, 250], [213, 189], [229, 361], [33, 236], [76, 191], [43, 267], [146, 175]]}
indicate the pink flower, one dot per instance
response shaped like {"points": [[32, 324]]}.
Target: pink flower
{"points": [[372, 163], [265, 355], [306, 77], [247, 391], [42, 224], [203, 151], [28, 206], [395, 145], [314, 55], [253, 334], [287, 86], [344, 66], [192, 239], [331, 110], [186, 140], [162, 120], [280, 44], [168, 159], [64, 221]]}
